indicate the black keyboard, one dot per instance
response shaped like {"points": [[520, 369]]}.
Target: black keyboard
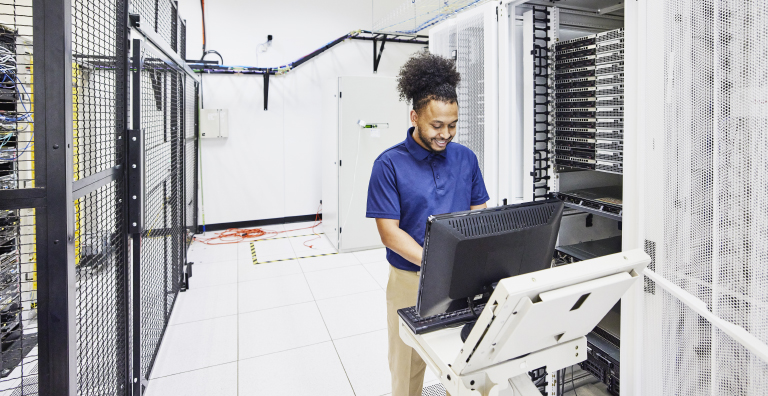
{"points": [[421, 325]]}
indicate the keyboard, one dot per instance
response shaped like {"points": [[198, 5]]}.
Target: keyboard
{"points": [[420, 325]]}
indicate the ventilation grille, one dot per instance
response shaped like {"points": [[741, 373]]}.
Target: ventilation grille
{"points": [[610, 123], [433, 390], [650, 248], [610, 156], [610, 167], [609, 145], [610, 47], [612, 101], [610, 113], [617, 78], [610, 57], [612, 35], [611, 90], [502, 221], [610, 134], [617, 67]]}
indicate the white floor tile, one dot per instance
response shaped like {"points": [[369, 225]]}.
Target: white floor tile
{"points": [[269, 247], [340, 281], [212, 274], [328, 262], [273, 292], [318, 246], [212, 381], [205, 303], [247, 271], [365, 360], [212, 253], [371, 256], [379, 271], [280, 329], [314, 370], [197, 345], [347, 316]]}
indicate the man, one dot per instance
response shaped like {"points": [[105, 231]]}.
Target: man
{"points": [[424, 175]]}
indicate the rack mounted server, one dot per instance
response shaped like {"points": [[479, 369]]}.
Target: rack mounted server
{"points": [[588, 122]]}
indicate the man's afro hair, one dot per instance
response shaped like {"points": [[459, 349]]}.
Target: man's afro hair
{"points": [[425, 77]]}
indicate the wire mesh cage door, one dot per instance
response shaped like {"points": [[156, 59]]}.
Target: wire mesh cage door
{"points": [[707, 174], [160, 117], [99, 73]]}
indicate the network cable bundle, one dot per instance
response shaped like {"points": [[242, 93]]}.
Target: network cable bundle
{"points": [[589, 102], [15, 170]]}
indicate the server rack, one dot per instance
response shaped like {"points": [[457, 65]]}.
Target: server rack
{"points": [[587, 126], [66, 268]]}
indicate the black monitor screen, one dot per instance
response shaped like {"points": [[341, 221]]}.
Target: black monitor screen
{"points": [[465, 253]]}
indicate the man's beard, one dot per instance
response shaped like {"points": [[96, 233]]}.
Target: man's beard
{"points": [[428, 142]]}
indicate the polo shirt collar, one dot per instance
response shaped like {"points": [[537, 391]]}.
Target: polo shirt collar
{"points": [[418, 152]]}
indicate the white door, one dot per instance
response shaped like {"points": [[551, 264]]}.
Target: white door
{"points": [[375, 102]]}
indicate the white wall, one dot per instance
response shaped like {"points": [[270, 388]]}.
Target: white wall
{"points": [[269, 167]]}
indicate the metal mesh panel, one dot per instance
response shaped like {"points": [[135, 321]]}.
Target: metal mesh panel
{"points": [[165, 21], [715, 216], [470, 63], [190, 198], [100, 296], [161, 16], [162, 251], [18, 302], [95, 46], [16, 118], [183, 40], [679, 343], [190, 107], [147, 10], [740, 273], [190, 155]]}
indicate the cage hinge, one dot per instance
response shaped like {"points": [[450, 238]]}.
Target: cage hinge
{"points": [[135, 20], [135, 180]]}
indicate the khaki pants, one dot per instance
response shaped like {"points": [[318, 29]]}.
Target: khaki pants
{"points": [[405, 364]]}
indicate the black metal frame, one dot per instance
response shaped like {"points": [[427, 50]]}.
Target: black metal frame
{"points": [[55, 212], [541, 102], [55, 193], [376, 37]]}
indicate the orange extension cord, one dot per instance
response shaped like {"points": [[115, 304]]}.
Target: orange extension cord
{"points": [[238, 235]]}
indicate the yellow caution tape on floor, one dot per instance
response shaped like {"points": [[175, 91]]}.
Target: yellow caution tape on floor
{"points": [[294, 236], [256, 261]]}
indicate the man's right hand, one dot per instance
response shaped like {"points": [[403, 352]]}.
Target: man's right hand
{"points": [[393, 237]]}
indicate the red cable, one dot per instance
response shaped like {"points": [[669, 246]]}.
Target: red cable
{"points": [[238, 235]]}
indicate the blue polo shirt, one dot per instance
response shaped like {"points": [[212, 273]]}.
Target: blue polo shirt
{"points": [[409, 183]]}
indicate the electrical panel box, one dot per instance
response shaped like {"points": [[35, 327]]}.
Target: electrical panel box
{"points": [[214, 123]]}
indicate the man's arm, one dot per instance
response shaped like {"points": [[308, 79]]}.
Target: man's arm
{"points": [[481, 206], [393, 237]]}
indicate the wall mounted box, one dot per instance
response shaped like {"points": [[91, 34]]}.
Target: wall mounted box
{"points": [[214, 123]]}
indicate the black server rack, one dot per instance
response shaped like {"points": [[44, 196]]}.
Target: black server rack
{"points": [[589, 102]]}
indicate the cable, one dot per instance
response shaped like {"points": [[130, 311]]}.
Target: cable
{"points": [[237, 235], [202, 11], [212, 52], [317, 236], [573, 384]]}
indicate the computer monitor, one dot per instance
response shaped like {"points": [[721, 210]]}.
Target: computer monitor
{"points": [[467, 253]]}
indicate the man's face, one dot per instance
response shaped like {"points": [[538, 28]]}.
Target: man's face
{"points": [[435, 125]]}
